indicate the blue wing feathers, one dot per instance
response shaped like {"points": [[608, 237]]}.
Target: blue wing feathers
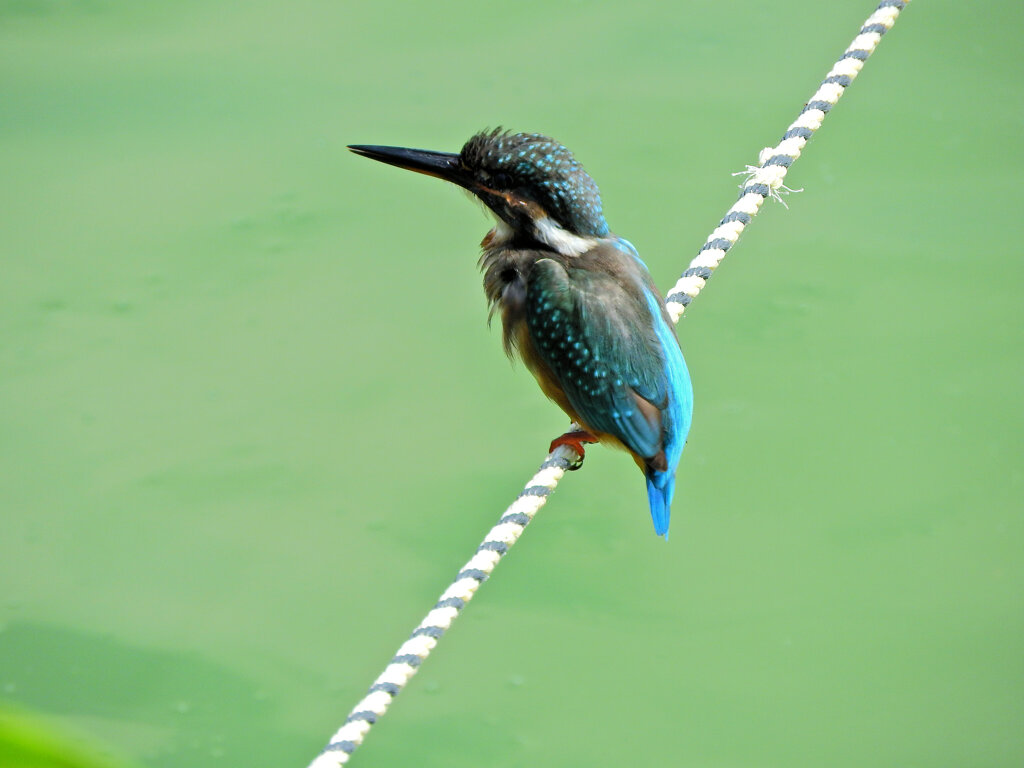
{"points": [[676, 419], [598, 324]]}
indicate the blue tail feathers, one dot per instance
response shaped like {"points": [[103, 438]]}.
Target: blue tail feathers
{"points": [[660, 486], [675, 415]]}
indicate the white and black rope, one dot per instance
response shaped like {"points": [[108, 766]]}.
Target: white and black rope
{"points": [[764, 181], [423, 639]]}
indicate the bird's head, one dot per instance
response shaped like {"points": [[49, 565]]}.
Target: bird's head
{"points": [[532, 184]]}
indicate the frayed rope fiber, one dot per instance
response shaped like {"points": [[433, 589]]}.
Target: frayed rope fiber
{"points": [[763, 181]]}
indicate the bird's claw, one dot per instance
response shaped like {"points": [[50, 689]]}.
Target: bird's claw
{"points": [[574, 440]]}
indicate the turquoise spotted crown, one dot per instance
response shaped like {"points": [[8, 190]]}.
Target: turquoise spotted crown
{"points": [[539, 167]]}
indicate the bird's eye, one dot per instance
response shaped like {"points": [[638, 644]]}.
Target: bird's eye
{"points": [[501, 180]]}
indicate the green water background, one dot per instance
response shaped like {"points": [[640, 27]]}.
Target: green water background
{"points": [[252, 419]]}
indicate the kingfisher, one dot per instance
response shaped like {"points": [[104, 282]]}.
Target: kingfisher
{"points": [[577, 304]]}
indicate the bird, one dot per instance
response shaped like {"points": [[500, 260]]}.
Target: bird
{"points": [[576, 302]]}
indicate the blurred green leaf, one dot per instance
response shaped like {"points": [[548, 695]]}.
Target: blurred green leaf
{"points": [[28, 741]]}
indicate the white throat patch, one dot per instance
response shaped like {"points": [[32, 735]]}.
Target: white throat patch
{"points": [[563, 241], [501, 234]]}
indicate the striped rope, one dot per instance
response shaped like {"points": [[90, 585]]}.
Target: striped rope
{"points": [[423, 639], [764, 181]]}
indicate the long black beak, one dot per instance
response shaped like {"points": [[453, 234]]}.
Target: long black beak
{"points": [[443, 165]]}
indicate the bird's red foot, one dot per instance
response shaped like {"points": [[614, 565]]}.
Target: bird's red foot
{"points": [[574, 440]]}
